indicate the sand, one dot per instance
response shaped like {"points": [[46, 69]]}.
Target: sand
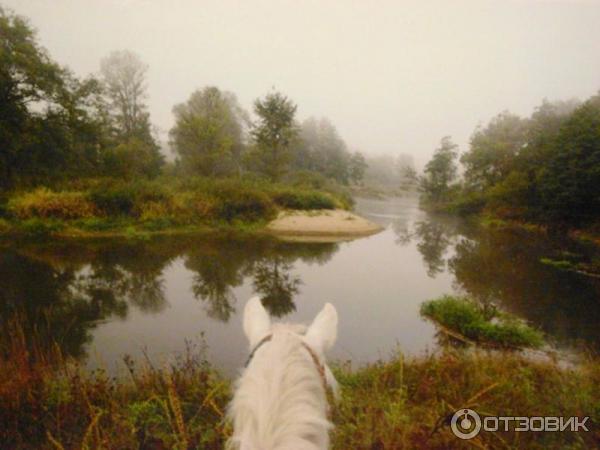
{"points": [[322, 225]]}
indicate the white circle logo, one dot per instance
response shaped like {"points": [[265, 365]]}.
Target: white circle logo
{"points": [[465, 424]]}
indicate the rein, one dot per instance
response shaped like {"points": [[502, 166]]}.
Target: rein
{"points": [[319, 366]]}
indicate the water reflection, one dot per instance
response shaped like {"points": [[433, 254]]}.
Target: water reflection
{"points": [[433, 238], [502, 268], [276, 285], [63, 291]]}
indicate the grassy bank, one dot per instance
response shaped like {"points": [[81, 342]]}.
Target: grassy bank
{"points": [[481, 324], [165, 205], [51, 403], [474, 206]]}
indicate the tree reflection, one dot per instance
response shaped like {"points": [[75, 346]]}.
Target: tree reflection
{"points": [[61, 291], [216, 273], [503, 268], [54, 305], [432, 238], [221, 265], [276, 286]]}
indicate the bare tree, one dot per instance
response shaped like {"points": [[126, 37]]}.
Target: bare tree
{"points": [[124, 76]]}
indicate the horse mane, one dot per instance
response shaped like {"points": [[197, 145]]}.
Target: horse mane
{"points": [[279, 402]]}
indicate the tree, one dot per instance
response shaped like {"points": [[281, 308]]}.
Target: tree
{"points": [[440, 171], [124, 77], [273, 135], [321, 149], [357, 166], [569, 178], [49, 120], [493, 150], [208, 134]]}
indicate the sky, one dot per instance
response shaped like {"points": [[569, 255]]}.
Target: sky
{"points": [[393, 76]]}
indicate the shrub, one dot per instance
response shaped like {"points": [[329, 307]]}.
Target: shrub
{"points": [[40, 227], [298, 199], [44, 203], [115, 201], [243, 204], [97, 224], [487, 325]]}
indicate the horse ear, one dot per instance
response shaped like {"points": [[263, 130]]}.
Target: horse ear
{"points": [[322, 332], [256, 321]]}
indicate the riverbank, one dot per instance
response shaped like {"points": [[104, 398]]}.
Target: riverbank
{"points": [[51, 403], [143, 208]]}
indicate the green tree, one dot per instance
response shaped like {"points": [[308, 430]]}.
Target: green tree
{"points": [[273, 135], [208, 134], [440, 171], [50, 122], [493, 150], [570, 177]]}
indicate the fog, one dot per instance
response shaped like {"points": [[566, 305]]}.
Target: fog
{"points": [[393, 76]]}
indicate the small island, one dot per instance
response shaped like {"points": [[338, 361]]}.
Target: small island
{"points": [[325, 225]]}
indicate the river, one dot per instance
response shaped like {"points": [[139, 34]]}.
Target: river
{"points": [[101, 300]]}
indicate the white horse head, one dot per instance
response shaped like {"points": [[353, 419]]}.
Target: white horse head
{"points": [[280, 400]]}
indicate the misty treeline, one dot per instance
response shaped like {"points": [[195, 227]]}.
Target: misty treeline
{"points": [[543, 169], [55, 126]]}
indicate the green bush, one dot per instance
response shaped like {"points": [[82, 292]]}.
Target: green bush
{"points": [[243, 204], [115, 201], [480, 324], [299, 199], [40, 227]]}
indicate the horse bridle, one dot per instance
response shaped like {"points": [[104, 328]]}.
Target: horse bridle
{"points": [[320, 367]]}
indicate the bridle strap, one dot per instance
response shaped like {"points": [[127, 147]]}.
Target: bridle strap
{"points": [[264, 340], [320, 367]]}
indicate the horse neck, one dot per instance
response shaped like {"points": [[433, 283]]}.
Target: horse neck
{"points": [[280, 401]]}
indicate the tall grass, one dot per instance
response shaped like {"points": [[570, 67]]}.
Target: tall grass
{"points": [[49, 402]]}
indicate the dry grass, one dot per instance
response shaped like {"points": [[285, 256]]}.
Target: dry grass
{"points": [[51, 403]]}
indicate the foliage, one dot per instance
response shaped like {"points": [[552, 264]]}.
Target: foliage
{"points": [[273, 135], [440, 172], [544, 169], [304, 200], [162, 204], [208, 133], [132, 158], [319, 148], [44, 203], [493, 150], [238, 202], [569, 180], [50, 124], [480, 323]]}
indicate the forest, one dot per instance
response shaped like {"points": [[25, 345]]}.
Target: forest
{"points": [[83, 154], [543, 169]]}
